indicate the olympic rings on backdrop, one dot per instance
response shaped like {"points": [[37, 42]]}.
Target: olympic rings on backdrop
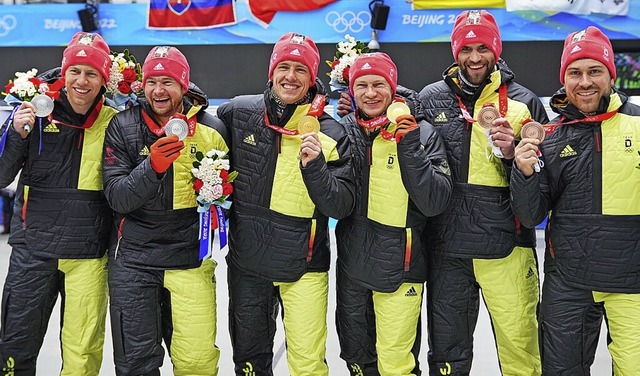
{"points": [[348, 20], [8, 22]]}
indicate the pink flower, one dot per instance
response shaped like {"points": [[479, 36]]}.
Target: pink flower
{"points": [[216, 192], [136, 86]]}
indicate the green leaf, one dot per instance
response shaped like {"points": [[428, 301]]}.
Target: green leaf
{"points": [[232, 176]]}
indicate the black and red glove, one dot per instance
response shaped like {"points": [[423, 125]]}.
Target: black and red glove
{"points": [[404, 125], [164, 152]]}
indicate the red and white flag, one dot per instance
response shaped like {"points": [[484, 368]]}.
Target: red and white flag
{"points": [[613, 7], [190, 14], [265, 10]]}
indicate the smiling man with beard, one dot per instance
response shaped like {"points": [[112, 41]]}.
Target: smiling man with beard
{"points": [[159, 287], [477, 245], [590, 183]]}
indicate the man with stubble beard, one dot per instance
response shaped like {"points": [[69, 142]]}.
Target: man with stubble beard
{"points": [[477, 244]]}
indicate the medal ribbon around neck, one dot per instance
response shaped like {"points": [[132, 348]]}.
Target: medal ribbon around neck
{"points": [[502, 105], [378, 122], [316, 109], [503, 101], [549, 128], [93, 116]]}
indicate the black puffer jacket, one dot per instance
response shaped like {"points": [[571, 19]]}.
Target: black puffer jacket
{"points": [[479, 222], [279, 217], [60, 211], [382, 243], [590, 183], [157, 217]]}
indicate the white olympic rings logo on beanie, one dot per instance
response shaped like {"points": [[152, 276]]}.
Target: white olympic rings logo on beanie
{"points": [[348, 20]]}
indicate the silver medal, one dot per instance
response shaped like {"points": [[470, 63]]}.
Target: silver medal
{"points": [[43, 104], [177, 126]]}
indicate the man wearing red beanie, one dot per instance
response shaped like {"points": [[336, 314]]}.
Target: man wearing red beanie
{"points": [[402, 178], [477, 245], [589, 183], [62, 220], [158, 284], [294, 165]]}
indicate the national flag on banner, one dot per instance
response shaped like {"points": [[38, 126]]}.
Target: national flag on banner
{"points": [[190, 14], [612, 7], [265, 10], [575, 7], [464, 4]]}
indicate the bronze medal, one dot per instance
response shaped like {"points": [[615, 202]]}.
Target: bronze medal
{"points": [[397, 109], [486, 116], [532, 129], [308, 124]]}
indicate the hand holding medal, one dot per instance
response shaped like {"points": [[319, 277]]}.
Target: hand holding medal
{"points": [[44, 107], [534, 130], [310, 148], [486, 116], [26, 87], [397, 109], [22, 117]]}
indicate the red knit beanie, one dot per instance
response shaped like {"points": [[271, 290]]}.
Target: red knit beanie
{"points": [[166, 61], [296, 47], [475, 26], [88, 49], [590, 43], [377, 63]]}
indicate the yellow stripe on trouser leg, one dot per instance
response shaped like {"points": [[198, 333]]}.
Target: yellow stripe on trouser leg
{"points": [[85, 310], [397, 315], [305, 323], [622, 312], [511, 291], [193, 313]]}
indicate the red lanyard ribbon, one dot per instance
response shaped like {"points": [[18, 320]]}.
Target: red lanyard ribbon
{"points": [[317, 106], [54, 89], [87, 124], [503, 105], [549, 128], [283, 130], [315, 109], [376, 123], [372, 124]]}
